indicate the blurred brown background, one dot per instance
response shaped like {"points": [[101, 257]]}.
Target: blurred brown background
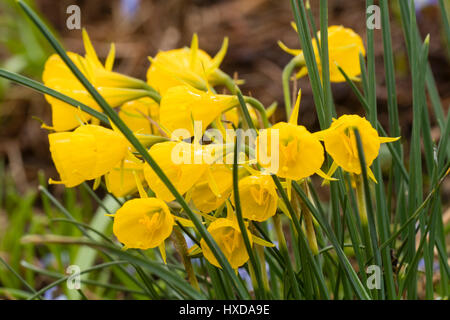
{"points": [[141, 28]]}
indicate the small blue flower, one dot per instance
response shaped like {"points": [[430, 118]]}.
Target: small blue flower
{"points": [[129, 7]]}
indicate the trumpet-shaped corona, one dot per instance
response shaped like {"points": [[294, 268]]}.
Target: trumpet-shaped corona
{"points": [[114, 87], [344, 46], [182, 105], [213, 188], [229, 238], [138, 114], [86, 153], [259, 198], [176, 160], [121, 180], [186, 65], [340, 142], [143, 223]]}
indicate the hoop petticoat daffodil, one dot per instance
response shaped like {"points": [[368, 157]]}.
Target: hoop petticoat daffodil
{"points": [[177, 161], [344, 46], [191, 66], [181, 105], [121, 180], [213, 188], [114, 87], [143, 223], [258, 196], [229, 238], [340, 143], [300, 153], [87, 153], [139, 114]]}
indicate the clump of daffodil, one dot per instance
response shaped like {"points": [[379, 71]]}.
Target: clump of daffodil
{"points": [[178, 161], [143, 223], [228, 236], [114, 87], [87, 153], [140, 115], [344, 46], [213, 188], [259, 198], [181, 105], [341, 145], [121, 180], [300, 153], [186, 65]]}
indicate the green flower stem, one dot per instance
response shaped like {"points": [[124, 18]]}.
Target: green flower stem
{"points": [[258, 106], [309, 224], [228, 82], [262, 261], [285, 253], [296, 62], [361, 203], [254, 263], [181, 246]]}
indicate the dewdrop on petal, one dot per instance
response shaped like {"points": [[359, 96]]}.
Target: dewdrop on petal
{"points": [[143, 223], [87, 153]]}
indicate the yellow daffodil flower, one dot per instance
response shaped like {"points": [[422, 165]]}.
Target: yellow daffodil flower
{"points": [[344, 46], [121, 180], [340, 143], [114, 87], [213, 188], [143, 223], [229, 238], [186, 65], [300, 153], [259, 198], [86, 153], [177, 160], [139, 114], [182, 105]]}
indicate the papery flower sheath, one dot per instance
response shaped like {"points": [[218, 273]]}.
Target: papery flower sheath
{"points": [[191, 66], [229, 238], [344, 46], [258, 197], [143, 223], [182, 105], [86, 153], [114, 87], [176, 159], [340, 142]]}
